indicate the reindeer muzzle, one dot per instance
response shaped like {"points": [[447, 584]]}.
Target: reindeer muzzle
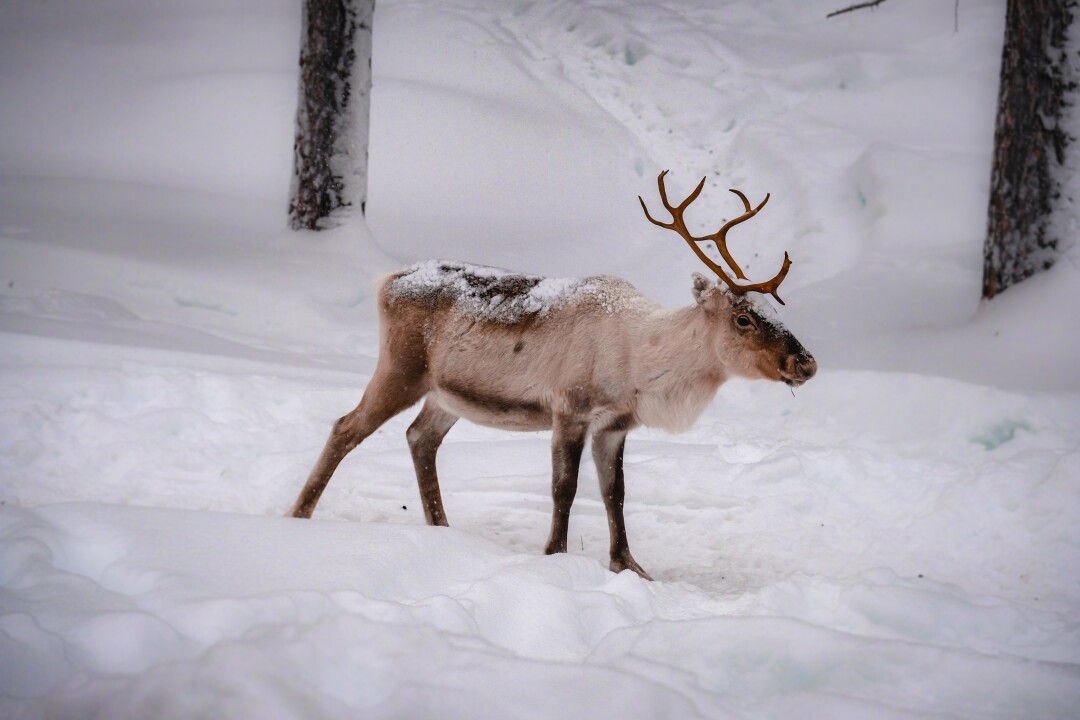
{"points": [[798, 368]]}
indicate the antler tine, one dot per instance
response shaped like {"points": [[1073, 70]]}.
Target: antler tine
{"points": [[678, 224], [720, 236], [691, 198], [663, 199], [663, 190], [745, 202], [769, 286]]}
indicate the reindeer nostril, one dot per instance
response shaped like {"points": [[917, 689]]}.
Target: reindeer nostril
{"points": [[798, 368]]}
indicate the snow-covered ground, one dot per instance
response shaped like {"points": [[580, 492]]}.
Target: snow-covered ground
{"points": [[897, 539]]}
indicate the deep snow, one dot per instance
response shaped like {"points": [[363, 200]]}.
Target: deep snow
{"points": [[896, 540]]}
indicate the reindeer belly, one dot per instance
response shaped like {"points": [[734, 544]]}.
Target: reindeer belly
{"points": [[493, 409]]}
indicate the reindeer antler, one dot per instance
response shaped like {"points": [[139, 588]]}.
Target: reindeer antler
{"points": [[719, 237]]}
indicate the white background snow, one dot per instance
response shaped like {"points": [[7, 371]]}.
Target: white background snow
{"points": [[897, 539]]}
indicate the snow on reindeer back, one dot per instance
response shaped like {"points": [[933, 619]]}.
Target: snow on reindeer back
{"points": [[498, 295]]}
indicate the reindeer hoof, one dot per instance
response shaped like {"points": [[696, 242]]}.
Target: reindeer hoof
{"points": [[554, 547], [628, 563]]}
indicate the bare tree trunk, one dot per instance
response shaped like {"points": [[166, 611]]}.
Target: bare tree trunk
{"points": [[1029, 142], [332, 116]]}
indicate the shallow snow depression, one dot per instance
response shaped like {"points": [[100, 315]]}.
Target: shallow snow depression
{"points": [[896, 540]]}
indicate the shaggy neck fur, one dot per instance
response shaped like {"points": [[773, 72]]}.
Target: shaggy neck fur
{"points": [[677, 370]]}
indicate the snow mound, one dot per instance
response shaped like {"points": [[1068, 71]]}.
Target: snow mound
{"points": [[315, 618]]}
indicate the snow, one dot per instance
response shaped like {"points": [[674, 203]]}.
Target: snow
{"points": [[502, 296], [896, 540], [485, 293]]}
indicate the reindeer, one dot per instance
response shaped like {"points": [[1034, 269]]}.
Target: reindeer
{"points": [[589, 357]]}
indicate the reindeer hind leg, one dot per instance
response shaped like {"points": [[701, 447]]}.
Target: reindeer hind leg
{"points": [[425, 436], [386, 395]]}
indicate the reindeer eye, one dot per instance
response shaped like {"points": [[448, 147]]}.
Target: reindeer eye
{"points": [[744, 321]]}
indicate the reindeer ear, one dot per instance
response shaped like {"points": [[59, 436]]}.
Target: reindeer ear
{"points": [[703, 288]]}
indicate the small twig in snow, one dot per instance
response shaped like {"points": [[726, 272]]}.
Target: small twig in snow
{"points": [[856, 6]]}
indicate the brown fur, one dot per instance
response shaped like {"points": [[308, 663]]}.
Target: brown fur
{"points": [[598, 362]]}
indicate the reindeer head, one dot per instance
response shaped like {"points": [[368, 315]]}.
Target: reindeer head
{"points": [[753, 343]]}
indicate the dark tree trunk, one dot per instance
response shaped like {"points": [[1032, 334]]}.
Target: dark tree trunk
{"points": [[332, 116], [1029, 142]]}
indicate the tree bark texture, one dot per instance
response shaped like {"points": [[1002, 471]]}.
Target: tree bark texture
{"points": [[333, 112], [1030, 142]]}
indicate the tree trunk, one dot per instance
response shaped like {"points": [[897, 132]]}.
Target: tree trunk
{"points": [[332, 116], [1029, 143]]}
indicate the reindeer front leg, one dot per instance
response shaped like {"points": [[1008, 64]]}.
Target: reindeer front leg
{"points": [[567, 443], [607, 448]]}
